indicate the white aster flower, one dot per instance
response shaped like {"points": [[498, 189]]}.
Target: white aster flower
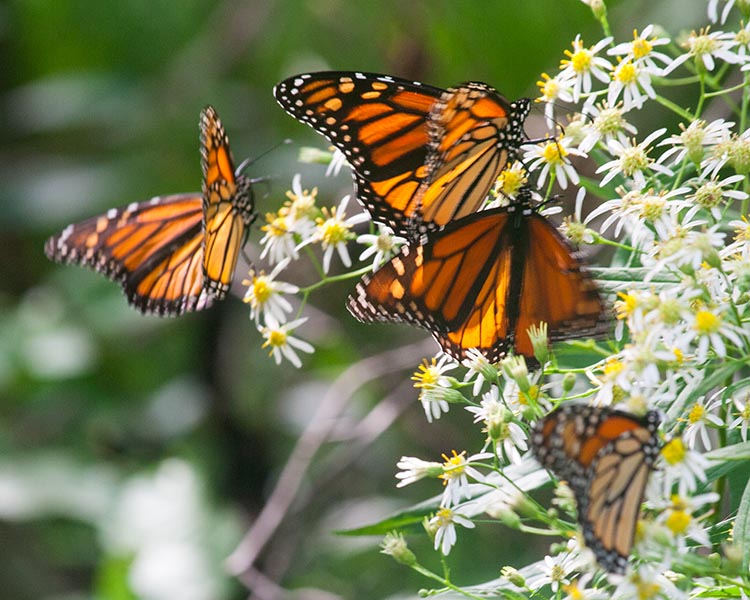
{"points": [[641, 49], [265, 294], [278, 242], [435, 389], [553, 89], [281, 343], [456, 472], [706, 47], [709, 330], [735, 152], [552, 158], [444, 525], [413, 469], [700, 417], [647, 581], [679, 518], [333, 231], [682, 466], [742, 420], [713, 195], [607, 123], [381, 246], [694, 140], [632, 160], [555, 571], [582, 63], [633, 81], [479, 369]]}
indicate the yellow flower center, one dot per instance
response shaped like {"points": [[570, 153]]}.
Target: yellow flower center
{"points": [[444, 517], [647, 590], [553, 153], [626, 73], [276, 225], [580, 59], [333, 231], [453, 466], [674, 451], [427, 374], [626, 305], [276, 339], [262, 291], [742, 234], [707, 322], [678, 521], [745, 412], [697, 412], [511, 180], [573, 591], [633, 159], [641, 46], [548, 87], [613, 367]]}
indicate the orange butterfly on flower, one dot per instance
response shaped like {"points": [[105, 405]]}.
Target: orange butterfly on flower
{"points": [[176, 253], [606, 456], [421, 156], [482, 281]]}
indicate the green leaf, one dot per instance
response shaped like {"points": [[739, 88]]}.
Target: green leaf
{"points": [[405, 519], [742, 527]]}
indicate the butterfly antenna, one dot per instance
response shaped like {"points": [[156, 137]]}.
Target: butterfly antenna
{"points": [[249, 161]]}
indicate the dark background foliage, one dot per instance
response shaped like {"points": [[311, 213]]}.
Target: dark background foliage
{"points": [[137, 449]]}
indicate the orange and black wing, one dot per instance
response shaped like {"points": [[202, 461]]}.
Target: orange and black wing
{"points": [[154, 249], [606, 456], [555, 288], [473, 132], [227, 203], [481, 282], [379, 123]]}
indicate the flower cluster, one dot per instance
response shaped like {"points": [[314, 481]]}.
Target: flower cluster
{"points": [[674, 206]]}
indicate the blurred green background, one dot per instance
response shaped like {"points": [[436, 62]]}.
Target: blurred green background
{"points": [[135, 451]]}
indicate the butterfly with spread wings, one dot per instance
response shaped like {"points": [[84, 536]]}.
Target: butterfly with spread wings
{"points": [[482, 280], [176, 253], [421, 156], [606, 456]]}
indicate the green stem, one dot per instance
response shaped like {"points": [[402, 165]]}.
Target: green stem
{"points": [[334, 278], [430, 575], [674, 108]]}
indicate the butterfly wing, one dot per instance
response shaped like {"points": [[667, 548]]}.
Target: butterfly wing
{"points": [[379, 123], [154, 249], [556, 289], [606, 456], [481, 282], [227, 203], [455, 284], [473, 132]]}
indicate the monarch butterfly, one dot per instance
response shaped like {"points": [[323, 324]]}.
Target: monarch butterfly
{"points": [[421, 156], [606, 456], [174, 253], [481, 281]]}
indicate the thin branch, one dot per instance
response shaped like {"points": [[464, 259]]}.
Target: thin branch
{"points": [[293, 474]]}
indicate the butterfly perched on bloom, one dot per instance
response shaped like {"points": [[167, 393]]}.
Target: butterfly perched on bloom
{"points": [[606, 456], [421, 156], [482, 280], [176, 253]]}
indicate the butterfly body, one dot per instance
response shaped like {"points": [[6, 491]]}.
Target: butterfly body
{"points": [[175, 253], [606, 455], [420, 155], [481, 281]]}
